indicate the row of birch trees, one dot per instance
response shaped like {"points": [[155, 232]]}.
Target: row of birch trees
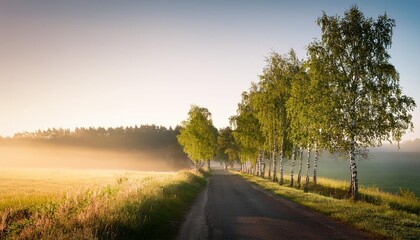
{"points": [[344, 98]]}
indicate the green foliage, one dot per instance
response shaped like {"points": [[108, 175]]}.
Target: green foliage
{"points": [[246, 130], [308, 111], [366, 105], [352, 59], [226, 145], [198, 136], [269, 97], [346, 97]]}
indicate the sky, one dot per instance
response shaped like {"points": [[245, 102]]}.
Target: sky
{"points": [[83, 63]]}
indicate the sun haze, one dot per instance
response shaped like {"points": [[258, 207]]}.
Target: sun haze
{"points": [[18, 156], [119, 63]]}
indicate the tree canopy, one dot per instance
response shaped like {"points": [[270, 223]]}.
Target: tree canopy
{"points": [[366, 105], [227, 148], [198, 136], [344, 98], [246, 130]]}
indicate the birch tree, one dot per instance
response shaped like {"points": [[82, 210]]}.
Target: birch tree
{"points": [[306, 112], [227, 146], [352, 61], [263, 102], [298, 109], [246, 131], [198, 136], [270, 102]]}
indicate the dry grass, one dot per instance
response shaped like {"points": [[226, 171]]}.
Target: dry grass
{"points": [[95, 205], [406, 200]]}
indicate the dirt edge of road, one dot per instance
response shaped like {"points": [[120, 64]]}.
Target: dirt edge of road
{"points": [[195, 224]]}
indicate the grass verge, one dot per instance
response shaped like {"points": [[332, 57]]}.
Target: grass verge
{"points": [[131, 207], [377, 215]]}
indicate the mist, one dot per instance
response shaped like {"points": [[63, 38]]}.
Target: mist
{"points": [[70, 157]]}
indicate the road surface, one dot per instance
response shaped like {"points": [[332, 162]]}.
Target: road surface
{"points": [[230, 208]]}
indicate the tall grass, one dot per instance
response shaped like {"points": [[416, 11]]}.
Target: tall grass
{"points": [[406, 200], [131, 207], [382, 214]]}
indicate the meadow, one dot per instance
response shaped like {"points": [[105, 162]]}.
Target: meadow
{"points": [[94, 204], [387, 171]]}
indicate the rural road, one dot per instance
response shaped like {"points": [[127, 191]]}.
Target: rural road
{"points": [[230, 208]]}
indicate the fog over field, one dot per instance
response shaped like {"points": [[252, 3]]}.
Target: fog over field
{"points": [[53, 156]]}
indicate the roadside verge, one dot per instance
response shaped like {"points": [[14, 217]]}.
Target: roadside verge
{"points": [[382, 221]]}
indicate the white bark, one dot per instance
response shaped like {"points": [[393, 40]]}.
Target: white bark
{"points": [[305, 188], [263, 169], [257, 164], [281, 162], [262, 174], [300, 167], [353, 170], [316, 163], [274, 164], [292, 169]]}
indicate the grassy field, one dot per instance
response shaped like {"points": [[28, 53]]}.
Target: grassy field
{"points": [[388, 171], [94, 204], [383, 214]]}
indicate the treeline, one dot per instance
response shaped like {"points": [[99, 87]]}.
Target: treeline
{"points": [[140, 138], [157, 140]]}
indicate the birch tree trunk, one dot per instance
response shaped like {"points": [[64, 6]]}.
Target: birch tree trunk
{"points": [[300, 167], [274, 164], [305, 188], [258, 169], [293, 166], [281, 161], [259, 163], [316, 163], [263, 165], [263, 169], [353, 169]]}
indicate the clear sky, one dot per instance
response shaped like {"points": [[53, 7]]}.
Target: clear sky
{"points": [[82, 63]]}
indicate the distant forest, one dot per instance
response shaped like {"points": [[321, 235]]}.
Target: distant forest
{"points": [[157, 140]]}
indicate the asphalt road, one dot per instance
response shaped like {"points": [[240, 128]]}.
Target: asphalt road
{"points": [[230, 208]]}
